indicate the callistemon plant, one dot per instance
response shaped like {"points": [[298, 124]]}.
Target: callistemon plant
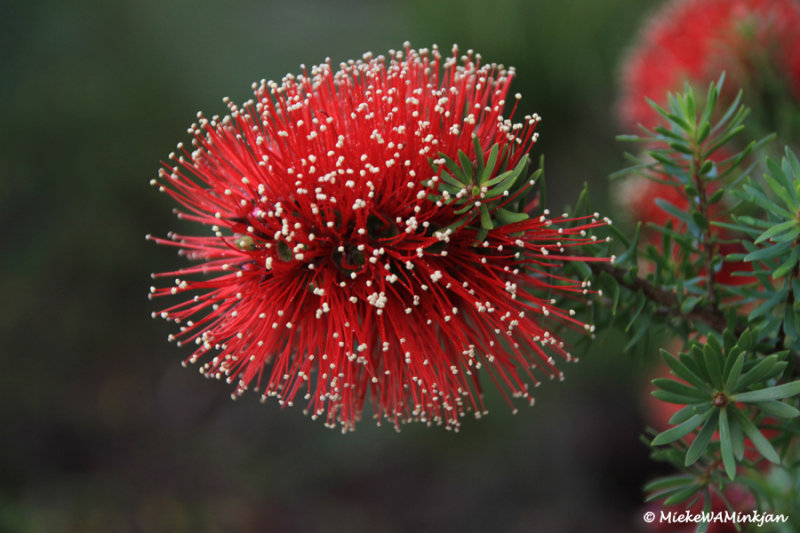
{"points": [[721, 278], [373, 234]]}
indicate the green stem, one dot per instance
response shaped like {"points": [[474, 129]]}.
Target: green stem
{"points": [[708, 314], [702, 206]]}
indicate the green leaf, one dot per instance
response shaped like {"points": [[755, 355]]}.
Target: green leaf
{"points": [[486, 220], [504, 216], [711, 100], [664, 132], [466, 164], [746, 340], [683, 372], [582, 204], [284, 251], [584, 270], [768, 252], [451, 179], [788, 265], [492, 159], [669, 482], [682, 495], [681, 147], [722, 140], [631, 253], [758, 439], [726, 446], [778, 392], [507, 183], [699, 220], [702, 440], [768, 305], [688, 411], [781, 191], [777, 229], [476, 143], [681, 430], [629, 138], [670, 208], [735, 371], [730, 358], [695, 360], [755, 195], [729, 341], [730, 112], [737, 441], [690, 110], [457, 172], [776, 408], [641, 302], [705, 130], [679, 388], [790, 326], [757, 373], [673, 397], [713, 360], [501, 177]]}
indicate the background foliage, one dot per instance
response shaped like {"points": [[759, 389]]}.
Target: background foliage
{"points": [[102, 428]]}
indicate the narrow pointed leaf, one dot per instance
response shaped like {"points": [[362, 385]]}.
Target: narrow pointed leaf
{"points": [[476, 143], [683, 372], [673, 397], [758, 439], [682, 495], [688, 411], [711, 357], [679, 388], [778, 392], [668, 482], [777, 229], [757, 373], [776, 408], [465, 162], [509, 217], [726, 446], [702, 440], [486, 220], [492, 160], [681, 430], [735, 371]]}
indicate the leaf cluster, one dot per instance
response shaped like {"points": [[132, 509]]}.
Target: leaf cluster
{"points": [[772, 248], [722, 389], [484, 191]]}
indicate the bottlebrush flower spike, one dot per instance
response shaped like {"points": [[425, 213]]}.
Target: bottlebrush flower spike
{"points": [[369, 239], [755, 42]]}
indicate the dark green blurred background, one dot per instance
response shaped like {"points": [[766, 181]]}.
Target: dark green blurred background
{"points": [[104, 431]]}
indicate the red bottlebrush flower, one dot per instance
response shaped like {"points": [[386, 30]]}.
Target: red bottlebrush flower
{"points": [[755, 41], [351, 256]]}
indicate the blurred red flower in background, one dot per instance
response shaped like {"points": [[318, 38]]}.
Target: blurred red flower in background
{"points": [[756, 42], [335, 272]]}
